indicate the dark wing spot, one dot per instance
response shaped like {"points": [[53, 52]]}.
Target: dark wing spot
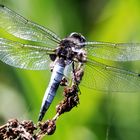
{"points": [[2, 6], [52, 57]]}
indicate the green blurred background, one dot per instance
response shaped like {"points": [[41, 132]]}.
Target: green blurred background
{"points": [[99, 116]]}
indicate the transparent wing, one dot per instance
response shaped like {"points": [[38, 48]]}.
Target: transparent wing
{"points": [[18, 26], [113, 52], [24, 56], [102, 77], [68, 71]]}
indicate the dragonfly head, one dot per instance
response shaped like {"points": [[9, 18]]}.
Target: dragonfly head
{"points": [[78, 37], [70, 49], [73, 41]]}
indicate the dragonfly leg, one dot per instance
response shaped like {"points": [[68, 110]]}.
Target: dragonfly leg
{"points": [[64, 81], [51, 66], [78, 73]]}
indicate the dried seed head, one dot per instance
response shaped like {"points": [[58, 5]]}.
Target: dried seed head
{"points": [[71, 100], [48, 127], [29, 126]]}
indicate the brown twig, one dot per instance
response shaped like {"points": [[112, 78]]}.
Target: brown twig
{"points": [[27, 130]]}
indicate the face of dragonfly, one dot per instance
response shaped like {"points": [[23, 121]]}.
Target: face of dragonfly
{"points": [[29, 46], [77, 38], [70, 50]]}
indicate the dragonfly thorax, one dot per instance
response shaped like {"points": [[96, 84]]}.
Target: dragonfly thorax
{"points": [[68, 51], [69, 48]]}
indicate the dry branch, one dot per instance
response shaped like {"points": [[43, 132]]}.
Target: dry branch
{"points": [[27, 130]]}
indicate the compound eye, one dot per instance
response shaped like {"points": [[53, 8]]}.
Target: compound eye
{"points": [[73, 34], [82, 39], [78, 36]]}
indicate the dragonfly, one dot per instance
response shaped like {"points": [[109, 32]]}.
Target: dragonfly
{"points": [[30, 46]]}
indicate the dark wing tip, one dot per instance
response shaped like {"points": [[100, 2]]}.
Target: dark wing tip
{"points": [[1, 5], [139, 75]]}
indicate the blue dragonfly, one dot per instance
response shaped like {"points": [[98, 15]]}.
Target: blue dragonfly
{"points": [[30, 46]]}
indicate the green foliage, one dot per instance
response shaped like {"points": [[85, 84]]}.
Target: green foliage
{"points": [[99, 116]]}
